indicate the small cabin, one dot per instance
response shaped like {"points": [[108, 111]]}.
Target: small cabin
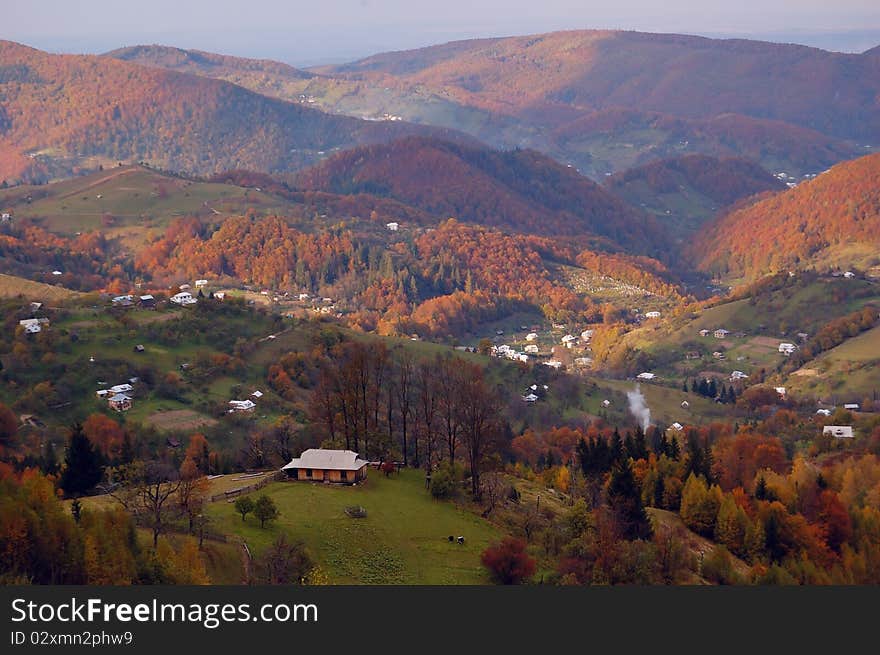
{"points": [[324, 465], [838, 431]]}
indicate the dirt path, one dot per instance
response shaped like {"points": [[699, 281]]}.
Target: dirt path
{"points": [[98, 182]]}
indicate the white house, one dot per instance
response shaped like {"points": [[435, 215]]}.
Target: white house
{"points": [[121, 388], [586, 335], [678, 427], [780, 391], [530, 398], [257, 394], [721, 333], [823, 412], [704, 333], [201, 283], [852, 406], [220, 295], [303, 296], [849, 275], [567, 339], [553, 363], [57, 273], [120, 402], [183, 298], [787, 348], [531, 336], [646, 376], [31, 325], [738, 375], [606, 403], [685, 404], [393, 227], [241, 406], [532, 349], [838, 431], [652, 315]]}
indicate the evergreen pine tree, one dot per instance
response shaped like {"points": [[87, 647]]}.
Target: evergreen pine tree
{"points": [[82, 470], [761, 489], [625, 500]]}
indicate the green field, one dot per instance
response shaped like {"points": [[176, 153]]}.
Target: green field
{"points": [[403, 540], [12, 286], [124, 202], [848, 372]]}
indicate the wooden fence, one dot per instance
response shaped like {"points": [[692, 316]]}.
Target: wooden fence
{"points": [[272, 476]]}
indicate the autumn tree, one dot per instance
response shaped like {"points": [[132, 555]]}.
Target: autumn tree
{"points": [[700, 505], [192, 494], [284, 562], [8, 424], [508, 562]]}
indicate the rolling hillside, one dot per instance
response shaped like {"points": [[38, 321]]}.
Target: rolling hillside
{"points": [[681, 85], [832, 220], [685, 192], [63, 113], [573, 95], [519, 190]]}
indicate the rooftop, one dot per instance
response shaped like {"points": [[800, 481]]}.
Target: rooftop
{"points": [[328, 460]]}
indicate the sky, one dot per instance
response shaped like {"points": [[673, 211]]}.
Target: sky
{"points": [[305, 32]]}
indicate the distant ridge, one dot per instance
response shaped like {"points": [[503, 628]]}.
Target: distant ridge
{"points": [[66, 113]]}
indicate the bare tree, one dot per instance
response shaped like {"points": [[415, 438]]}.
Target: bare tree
{"points": [[449, 380], [427, 415], [148, 491], [479, 408], [403, 394]]}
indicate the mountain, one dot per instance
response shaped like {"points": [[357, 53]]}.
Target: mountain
{"points": [[63, 113], [519, 190], [831, 220], [553, 81], [600, 100], [684, 192]]}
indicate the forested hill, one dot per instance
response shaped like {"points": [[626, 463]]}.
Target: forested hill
{"points": [[833, 219], [520, 190], [62, 113]]}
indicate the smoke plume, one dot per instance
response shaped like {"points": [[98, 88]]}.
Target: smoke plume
{"points": [[638, 407]]}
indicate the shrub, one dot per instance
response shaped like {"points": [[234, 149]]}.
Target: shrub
{"points": [[508, 562]]}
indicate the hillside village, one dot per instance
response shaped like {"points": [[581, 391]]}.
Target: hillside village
{"points": [[378, 344]]}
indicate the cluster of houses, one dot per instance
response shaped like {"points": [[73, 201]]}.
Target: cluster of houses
{"points": [[534, 393], [118, 397], [719, 333], [509, 353], [246, 405]]}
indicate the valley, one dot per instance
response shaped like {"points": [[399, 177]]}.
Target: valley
{"points": [[580, 308]]}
